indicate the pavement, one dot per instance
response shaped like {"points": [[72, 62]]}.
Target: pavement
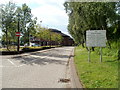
{"points": [[41, 69]]}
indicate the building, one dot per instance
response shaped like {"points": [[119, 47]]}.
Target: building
{"points": [[67, 40]]}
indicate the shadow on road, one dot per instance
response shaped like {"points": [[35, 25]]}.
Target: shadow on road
{"points": [[40, 60], [51, 55]]}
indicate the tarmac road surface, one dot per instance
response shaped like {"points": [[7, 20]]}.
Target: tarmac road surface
{"points": [[41, 69]]}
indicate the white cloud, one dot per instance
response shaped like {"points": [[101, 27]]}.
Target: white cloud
{"points": [[48, 13], [58, 2], [51, 12]]}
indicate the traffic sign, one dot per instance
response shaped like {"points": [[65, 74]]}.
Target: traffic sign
{"points": [[18, 34]]}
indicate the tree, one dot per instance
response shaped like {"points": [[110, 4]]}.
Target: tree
{"points": [[27, 24], [56, 37], [91, 16], [46, 35], [8, 22], [11, 15]]}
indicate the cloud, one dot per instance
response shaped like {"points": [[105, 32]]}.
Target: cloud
{"points": [[51, 12]]}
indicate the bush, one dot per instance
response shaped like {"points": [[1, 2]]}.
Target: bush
{"points": [[114, 51]]}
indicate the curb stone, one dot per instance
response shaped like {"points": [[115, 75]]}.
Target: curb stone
{"points": [[75, 82]]}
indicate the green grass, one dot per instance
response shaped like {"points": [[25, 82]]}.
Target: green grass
{"points": [[96, 74], [34, 47]]}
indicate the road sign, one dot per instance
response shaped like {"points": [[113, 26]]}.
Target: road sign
{"points": [[18, 34], [96, 38]]}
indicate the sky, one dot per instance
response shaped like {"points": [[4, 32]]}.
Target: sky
{"points": [[51, 12]]}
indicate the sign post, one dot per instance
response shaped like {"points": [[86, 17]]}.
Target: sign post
{"points": [[89, 54], [18, 34], [100, 54], [96, 38]]}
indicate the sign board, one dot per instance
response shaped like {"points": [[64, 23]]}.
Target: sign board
{"points": [[96, 38], [18, 34]]}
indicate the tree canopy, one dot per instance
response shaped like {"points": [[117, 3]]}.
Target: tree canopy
{"points": [[93, 16], [46, 35], [11, 15]]}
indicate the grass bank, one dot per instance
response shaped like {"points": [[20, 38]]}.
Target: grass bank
{"points": [[29, 47], [96, 74]]}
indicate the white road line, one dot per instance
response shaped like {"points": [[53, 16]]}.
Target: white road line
{"points": [[21, 65], [7, 66], [48, 57], [11, 62], [1, 66], [38, 56]]}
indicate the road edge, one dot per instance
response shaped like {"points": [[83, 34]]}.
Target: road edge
{"points": [[75, 81]]}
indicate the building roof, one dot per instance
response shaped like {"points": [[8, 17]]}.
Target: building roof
{"points": [[58, 31]]}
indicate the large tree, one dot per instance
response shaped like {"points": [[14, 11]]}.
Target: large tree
{"points": [[12, 15], [91, 16], [27, 24], [46, 35], [8, 22]]}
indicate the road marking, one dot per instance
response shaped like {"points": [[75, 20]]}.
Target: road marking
{"points": [[11, 62], [7, 66], [48, 57], [41, 57], [23, 64], [1, 66]]}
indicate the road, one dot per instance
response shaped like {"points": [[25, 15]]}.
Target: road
{"points": [[41, 69]]}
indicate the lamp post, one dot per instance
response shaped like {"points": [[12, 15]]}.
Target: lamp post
{"points": [[18, 36]]}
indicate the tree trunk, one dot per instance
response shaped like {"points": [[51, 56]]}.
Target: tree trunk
{"points": [[83, 40], [83, 45], [93, 49], [7, 39], [28, 37], [87, 48]]}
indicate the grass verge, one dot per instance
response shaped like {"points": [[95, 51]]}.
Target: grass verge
{"points": [[34, 47], [96, 74]]}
